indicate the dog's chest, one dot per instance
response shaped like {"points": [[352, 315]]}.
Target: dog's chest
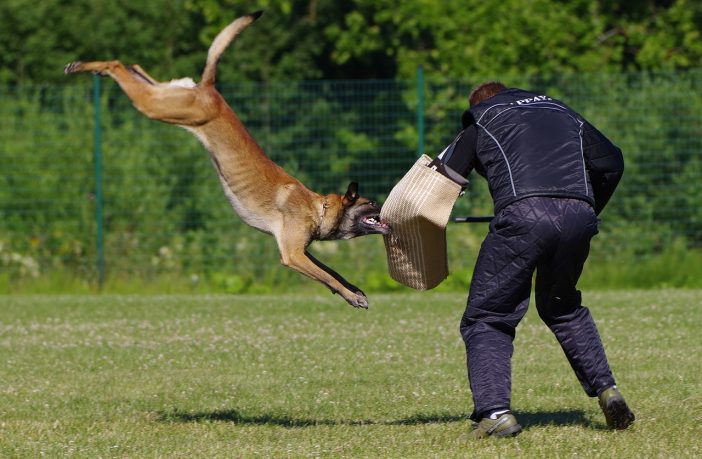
{"points": [[249, 215]]}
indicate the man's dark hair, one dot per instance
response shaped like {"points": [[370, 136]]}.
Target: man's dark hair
{"points": [[484, 91]]}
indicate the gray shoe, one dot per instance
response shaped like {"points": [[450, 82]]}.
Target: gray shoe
{"points": [[615, 409], [504, 426]]}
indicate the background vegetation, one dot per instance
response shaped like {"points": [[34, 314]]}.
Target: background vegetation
{"points": [[330, 91], [387, 39]]}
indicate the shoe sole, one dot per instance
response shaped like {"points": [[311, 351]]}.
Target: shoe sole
{"points": [[512, 431], [495, 431], [618, 415]]}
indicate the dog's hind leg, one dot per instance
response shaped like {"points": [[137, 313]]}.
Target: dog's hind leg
{"points": [[115, 69], [160, 101], [141, 73]]}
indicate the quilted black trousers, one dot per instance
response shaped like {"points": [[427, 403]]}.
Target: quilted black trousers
{"points": [[552, 237]]}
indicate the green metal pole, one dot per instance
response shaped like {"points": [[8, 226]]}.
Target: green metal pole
{"points": [[97, 155], [420, 110]]}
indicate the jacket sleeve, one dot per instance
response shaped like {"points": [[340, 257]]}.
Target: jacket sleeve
{"points": [[464, 155], [604, 163]]}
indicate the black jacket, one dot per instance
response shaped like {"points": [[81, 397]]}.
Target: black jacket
{"points": [[527, 144]]}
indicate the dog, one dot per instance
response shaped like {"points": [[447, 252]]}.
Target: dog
{"points": [[261, 192]]}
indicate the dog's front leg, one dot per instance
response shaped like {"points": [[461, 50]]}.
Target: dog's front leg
{"points": [[348, 285], [293, 255], [301, 263]]}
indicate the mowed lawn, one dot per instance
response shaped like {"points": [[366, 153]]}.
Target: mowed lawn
{"points": [[309, 376]]}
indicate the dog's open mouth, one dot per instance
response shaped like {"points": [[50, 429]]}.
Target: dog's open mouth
{"points": [[373, 223]]}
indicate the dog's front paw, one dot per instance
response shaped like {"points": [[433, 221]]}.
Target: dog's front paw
{"points": [[357, 299]]}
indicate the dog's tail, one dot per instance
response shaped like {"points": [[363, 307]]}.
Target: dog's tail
{"points": [[221, 42]]}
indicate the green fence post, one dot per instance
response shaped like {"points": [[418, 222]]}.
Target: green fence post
{"points": [[420, 110], [97, 155]]}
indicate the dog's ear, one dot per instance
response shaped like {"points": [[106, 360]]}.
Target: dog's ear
{"points": [[351, 195]]}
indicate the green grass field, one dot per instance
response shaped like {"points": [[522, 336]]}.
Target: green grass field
{"points": [[308, 376]]}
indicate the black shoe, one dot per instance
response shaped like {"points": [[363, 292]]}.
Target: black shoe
{"points": [[504, 426], [617, 413]]}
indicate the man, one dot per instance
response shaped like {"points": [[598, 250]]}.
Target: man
{"points": [[550, 173]]}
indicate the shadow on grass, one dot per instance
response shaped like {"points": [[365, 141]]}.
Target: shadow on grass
{"points": [[236, 417], [556, 418], [526, 419]]}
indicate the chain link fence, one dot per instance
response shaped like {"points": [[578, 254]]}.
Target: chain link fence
{"points": [[90, 187]]}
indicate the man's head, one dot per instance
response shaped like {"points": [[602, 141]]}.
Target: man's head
{"points": [[484, 91]]}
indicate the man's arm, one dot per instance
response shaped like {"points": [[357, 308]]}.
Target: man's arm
{"points": [[604, 163], [463, 158]]}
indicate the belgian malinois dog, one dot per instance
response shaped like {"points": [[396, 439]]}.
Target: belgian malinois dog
{"points": [[261, 192]]}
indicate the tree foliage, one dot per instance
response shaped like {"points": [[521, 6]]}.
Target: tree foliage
{"points": [[312, 39]]}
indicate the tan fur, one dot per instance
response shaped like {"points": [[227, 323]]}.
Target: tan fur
{"points": [[260, 191]]}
